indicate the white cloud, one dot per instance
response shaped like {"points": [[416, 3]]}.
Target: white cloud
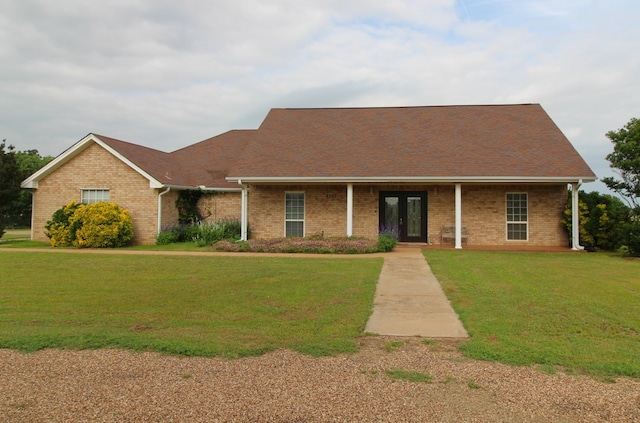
{"points": [[166, 74]]}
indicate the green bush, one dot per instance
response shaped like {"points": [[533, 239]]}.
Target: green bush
{"points": [[169, 235], [386, 242], [97, 225], [59, 229], [202, 233], [632, 238]]}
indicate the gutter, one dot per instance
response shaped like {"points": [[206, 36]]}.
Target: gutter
{"points": [[411, 179]]}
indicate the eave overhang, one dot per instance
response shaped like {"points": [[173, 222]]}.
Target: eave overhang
{"points": [[413, 179], [32, 181]]}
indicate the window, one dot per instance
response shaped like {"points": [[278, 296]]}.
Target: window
{"points": [[517, 217], [294, 214], [89, 196]]}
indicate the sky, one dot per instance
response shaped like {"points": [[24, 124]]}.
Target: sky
{"points": [[166, 74]]}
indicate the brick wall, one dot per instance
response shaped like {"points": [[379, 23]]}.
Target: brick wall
{"points": [[97, 168], [483, 211], [169, 210], [220, 205], [484, 214]]}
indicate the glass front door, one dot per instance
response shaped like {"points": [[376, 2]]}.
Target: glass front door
{"points": [[405, 212]]}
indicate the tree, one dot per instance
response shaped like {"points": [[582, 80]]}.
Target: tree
{"points": [[29, 162], [625, 161], [9, 182], [603, 219]]}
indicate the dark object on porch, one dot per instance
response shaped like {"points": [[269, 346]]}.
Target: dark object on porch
{"points": [[449, 233]]}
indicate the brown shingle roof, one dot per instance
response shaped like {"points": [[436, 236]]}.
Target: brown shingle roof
{"points": [[208, 162], [202, 164], [397, 142], [157, 164]]}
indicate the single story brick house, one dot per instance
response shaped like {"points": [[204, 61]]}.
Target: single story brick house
{"points": [[491, 175]]}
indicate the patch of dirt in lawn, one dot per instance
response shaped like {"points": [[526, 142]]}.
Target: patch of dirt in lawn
{"points": [[284, 386]]}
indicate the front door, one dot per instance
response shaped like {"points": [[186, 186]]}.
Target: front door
{"points": [[405, 211]]}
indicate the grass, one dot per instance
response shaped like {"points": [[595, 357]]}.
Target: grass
{"points": [[187, 305], [408, 376], [577, 311], [391, 346], [19, 238]]}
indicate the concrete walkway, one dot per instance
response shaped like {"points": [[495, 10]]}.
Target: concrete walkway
{"points": [[409, 300]]}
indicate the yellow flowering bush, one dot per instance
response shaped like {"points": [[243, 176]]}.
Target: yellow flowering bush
{"points": [[59, 231], [97, 225]]}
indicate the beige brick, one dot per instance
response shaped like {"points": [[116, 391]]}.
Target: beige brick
{"points": [[483, 211], [483, 205], [97, 168]]}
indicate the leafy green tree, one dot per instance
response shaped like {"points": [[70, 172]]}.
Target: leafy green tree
{"points": [[9, 182], [603, 219], [29, 162], [625, 161], [586, 239]]}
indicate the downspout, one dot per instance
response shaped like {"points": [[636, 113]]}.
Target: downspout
{"points": [[243, 212], [33, 207], [575, 216], [160, 208]]}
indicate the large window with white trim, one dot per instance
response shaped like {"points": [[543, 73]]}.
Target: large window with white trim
{"points": [[517, 217], [294, 214], [89, 196]]}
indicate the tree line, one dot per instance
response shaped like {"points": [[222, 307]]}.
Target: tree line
{"points": [[15, 203]]}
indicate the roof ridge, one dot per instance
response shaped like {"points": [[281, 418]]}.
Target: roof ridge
{"points": [[406, 107]]}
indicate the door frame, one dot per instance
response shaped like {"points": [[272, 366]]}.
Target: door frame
{"points": [[402, 213]]}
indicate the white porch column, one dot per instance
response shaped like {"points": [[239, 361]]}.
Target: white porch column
{"points": [[458, 216], [350, 210], [243, 213], [575, 217]]}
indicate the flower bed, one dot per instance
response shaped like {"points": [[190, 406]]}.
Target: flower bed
{"points": [[301, 245]]}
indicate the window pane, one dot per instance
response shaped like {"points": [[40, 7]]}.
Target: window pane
{"points": [[294, 214], [294, 206], [89, 196], [391, 213], [414, 216], [517, 231], [295, 229], [517, 216]]}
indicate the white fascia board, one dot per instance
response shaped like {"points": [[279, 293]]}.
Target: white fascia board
{"points": [[413, 179], [74, 150], [153, 182], [32, 181]]}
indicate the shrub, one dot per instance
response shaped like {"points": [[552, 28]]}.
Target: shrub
{"points": [[97, 225], [301, 245], [59, 229], [210, 233], [170, 235], [202, 233], [386, 242], [389, 230], [632, 238]]}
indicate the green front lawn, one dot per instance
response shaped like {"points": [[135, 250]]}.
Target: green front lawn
{"points": [[228, 306], [580, 311]]}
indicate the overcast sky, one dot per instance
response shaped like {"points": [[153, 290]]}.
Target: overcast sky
{"points": [[166, 73]]}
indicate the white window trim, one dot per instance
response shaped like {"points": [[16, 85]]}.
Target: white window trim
{"points": [[82, 191], [304, 217], [507, 222]]}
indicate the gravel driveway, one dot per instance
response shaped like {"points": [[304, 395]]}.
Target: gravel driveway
{"points": [[284, 386]]}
